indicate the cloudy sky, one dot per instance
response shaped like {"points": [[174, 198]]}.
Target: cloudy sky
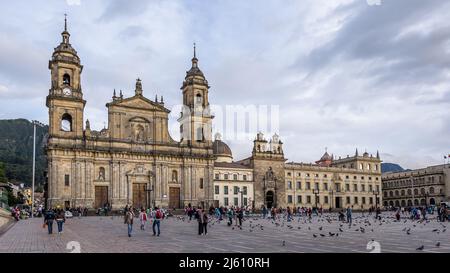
{"points": [[345, 74]]}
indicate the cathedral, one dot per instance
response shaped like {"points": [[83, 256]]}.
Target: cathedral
{"points": [[134, 160]]}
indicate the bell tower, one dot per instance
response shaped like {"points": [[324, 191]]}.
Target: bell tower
{"points": [[196, 119], [65, 99]]}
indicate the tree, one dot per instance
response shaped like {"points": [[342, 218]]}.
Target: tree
{"points": [[2, 173]]}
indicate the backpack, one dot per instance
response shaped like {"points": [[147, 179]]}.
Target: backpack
{"points": [[158, 214]]}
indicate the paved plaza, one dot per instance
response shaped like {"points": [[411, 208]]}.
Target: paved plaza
{"points": [[109, 234]]}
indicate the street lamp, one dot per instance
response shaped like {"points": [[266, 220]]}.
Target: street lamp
{"points": [[242, 196], [316, 193], [376, 193], [35, 122]]}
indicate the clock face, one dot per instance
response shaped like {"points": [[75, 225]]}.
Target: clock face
{"points": [[67, 91]]}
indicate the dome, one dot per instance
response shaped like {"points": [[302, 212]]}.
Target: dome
{"points": [[221, 148]]}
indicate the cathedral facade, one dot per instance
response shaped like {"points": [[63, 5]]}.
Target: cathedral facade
{"points": [[134, 160]]}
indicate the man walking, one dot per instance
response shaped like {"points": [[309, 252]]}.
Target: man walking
{"points": [[349, 215], [129, 220], [157, 221], [48, 220]]}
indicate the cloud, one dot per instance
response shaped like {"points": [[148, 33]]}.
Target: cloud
{"points": [[344, 74]]}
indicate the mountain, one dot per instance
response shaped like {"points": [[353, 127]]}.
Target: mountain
{"points": [[390, 167], [16, 150]]}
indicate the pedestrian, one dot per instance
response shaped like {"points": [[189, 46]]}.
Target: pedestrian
{"points": [[230, 216], [349, 215], [157, 221], [129, 220], [60, 220], [240, 216], [264, 212], [48, 220], [143, 218], [201, 220]]}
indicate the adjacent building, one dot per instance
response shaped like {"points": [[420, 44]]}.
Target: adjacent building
{"points": [[427, 186]]}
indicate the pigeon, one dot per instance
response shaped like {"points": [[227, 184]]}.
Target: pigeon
{"points": [[420, 247], [340, 229], [314, 235], [331, 234], [323, 235], [232, 228], [444, 230], [434, 230], [284, 243], [438, 244], [320, 228], [409, 233]]}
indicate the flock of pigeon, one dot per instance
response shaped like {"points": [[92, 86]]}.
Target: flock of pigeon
{"points": [[360, 224]]}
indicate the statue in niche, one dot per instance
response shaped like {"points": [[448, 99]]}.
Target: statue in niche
{"points": [[139, 133], [101, 174]]}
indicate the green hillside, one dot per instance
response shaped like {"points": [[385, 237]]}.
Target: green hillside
{"points": [[16, 150]]}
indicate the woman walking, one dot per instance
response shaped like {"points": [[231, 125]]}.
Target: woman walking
{"points": [[60, 219], [143, 218]]}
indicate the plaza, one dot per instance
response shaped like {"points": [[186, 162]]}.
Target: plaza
{"points": [[109, 235]]}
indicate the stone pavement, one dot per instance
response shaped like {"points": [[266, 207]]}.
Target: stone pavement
{"points": [[109, 234]]}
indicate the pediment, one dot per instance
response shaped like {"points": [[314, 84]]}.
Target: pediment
{"points": [[140, 102]]}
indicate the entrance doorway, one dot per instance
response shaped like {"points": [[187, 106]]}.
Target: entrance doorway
{"points": [[269, 199], [139, 195], [101, 196], [174, 198], [338, 202]]}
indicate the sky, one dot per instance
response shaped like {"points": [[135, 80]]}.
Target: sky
{"points": [[347, 74]]}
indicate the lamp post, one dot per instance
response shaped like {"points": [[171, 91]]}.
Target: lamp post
{"points": [[35, 123], [376, 193], [426, 198], [316, 193]]}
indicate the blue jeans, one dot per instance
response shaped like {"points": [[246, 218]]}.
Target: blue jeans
{"points": [[50, 226], [60, 225], [130, 229], [156, 222]]}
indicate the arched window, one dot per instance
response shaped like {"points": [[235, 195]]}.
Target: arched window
{"points": [[361, 166], [174, 175], [409, 203], [422, 190], [101, 173], [66, 79], [416, 192], [352, 166], [396, 193], [198, 99], [402, 192], [397, 203], [403, 203], [416, 202], [385, 194], [431, 190], [66, 123], [259, 148], [391, 193], [409, 191]]}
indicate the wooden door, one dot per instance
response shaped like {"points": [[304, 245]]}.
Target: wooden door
{"points": [[139, 195], [101, 196], [174, 198]]}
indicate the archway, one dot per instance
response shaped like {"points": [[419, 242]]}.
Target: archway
{"points": [[432, 201], [410, 203], [269, 199]]}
